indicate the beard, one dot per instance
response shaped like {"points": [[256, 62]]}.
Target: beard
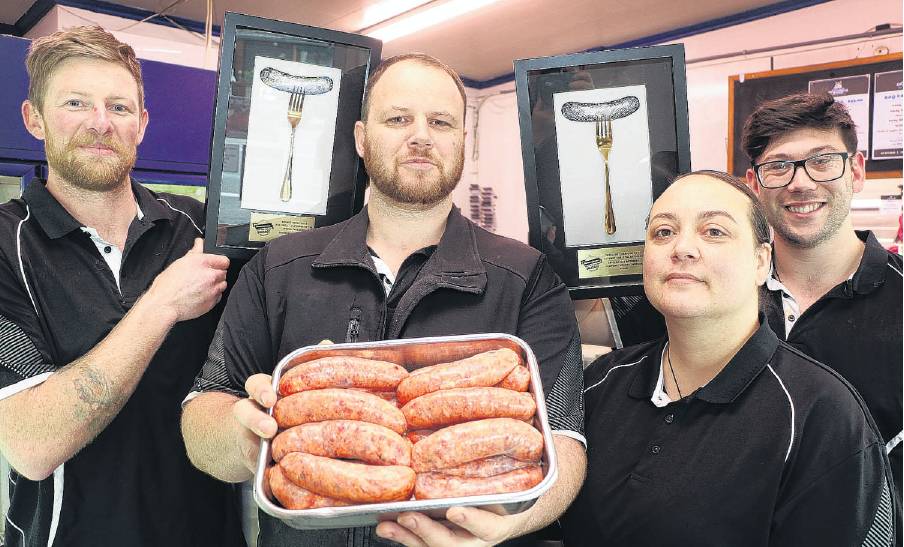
{"points": [[90, 173], [839, 207], [412, 187]]}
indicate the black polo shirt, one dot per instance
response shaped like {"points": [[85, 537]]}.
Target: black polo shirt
{"points": [[133, 485], [777, 449], [856, 329]]}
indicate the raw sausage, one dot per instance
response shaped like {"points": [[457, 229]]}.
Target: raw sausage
{"points": [[517, 380], [346, 439], [355, 482], [438, 485], [337, 404], [418, 435], [483, 369], [462, 443], [292, 496], [487, 467], [342, 371], [454, 406]]}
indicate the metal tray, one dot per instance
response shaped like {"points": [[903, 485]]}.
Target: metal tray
{"points": [[414, 353]]}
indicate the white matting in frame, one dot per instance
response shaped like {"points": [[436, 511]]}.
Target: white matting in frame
{"points": [[269, 133], [582, 172]]}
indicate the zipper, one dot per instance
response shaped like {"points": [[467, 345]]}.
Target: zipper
{"points": [[354, 325]]}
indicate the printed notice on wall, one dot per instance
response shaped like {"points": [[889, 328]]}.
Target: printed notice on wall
{"points": [[852, 92], [887, 116]]}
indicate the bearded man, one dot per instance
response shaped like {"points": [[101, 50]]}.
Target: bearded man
{"points": [[105, 316], [408, 265]]}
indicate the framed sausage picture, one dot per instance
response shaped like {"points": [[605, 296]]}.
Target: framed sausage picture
{"points": [[283, 156], [602, 135]]}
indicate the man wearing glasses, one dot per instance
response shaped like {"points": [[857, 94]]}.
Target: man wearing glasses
{"points": [[835, 293]]}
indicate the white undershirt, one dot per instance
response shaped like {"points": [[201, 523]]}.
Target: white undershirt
{"points": [[111, 253]]}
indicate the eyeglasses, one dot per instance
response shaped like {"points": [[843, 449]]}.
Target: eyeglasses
{"points": [[820, 168]]}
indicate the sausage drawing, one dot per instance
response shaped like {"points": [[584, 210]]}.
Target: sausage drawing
{"points": [[319, 405], [597, 112], [292, 496], [462, 443], [307, 85], [517, 380], [346, 439], [438, 485], [487, 467], [453, 406], [342, 371], [483, 369], [355, 482]]}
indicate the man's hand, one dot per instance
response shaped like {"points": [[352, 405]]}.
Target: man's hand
{"points": [[192, 285], [466, 526], [252, 423]]}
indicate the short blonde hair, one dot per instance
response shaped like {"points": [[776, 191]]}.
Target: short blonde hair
{"points": [[89, 42]]}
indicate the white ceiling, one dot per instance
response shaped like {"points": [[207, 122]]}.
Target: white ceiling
{"points": [[482, 44]]}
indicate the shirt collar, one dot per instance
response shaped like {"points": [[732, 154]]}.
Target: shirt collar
{"points": [[456, 260], [873, 267], [56, 221], [740, 371], [870, 273]]}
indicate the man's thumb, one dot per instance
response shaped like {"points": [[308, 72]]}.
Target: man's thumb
{"points": [[198, 247]]}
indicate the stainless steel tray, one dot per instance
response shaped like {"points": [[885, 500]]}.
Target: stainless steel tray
{"points": [[414, 353]]}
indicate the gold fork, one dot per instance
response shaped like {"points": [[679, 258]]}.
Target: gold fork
{"points": [[296, 101], [604, 144]]}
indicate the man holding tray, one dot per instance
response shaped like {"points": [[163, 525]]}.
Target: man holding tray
{"points": [[409, 265]]}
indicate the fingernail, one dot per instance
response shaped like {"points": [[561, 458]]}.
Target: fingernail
{"points": [[457, 518], [409, 522]]}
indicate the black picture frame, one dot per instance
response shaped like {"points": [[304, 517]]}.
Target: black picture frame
{"points": [[607, 267], [237, 231]]}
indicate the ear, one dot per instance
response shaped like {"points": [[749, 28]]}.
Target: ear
{"points": [[858, 171], [751, 182], [33, 120], [763, 262], [142, 125], [359, 137]]}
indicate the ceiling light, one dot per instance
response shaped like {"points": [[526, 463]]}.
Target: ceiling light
{"points": [[382, 11], [427, 18]]}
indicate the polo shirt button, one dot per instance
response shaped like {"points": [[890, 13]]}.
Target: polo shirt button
{"points": [[669, 418], [107, 249], [655, 449], [791, 318]]}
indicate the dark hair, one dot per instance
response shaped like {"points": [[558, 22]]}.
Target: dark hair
{"points": [[756, 213], [799, 111], [420, 58]]}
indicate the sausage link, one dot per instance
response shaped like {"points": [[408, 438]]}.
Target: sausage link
{"points": [[438, 485], [355, 482], [487, 467], [462, 443], [337, 404], [454, 406], [342, 371], [346, 439], [292, 496], [418, 435], [517, 380], [483, 369]]}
